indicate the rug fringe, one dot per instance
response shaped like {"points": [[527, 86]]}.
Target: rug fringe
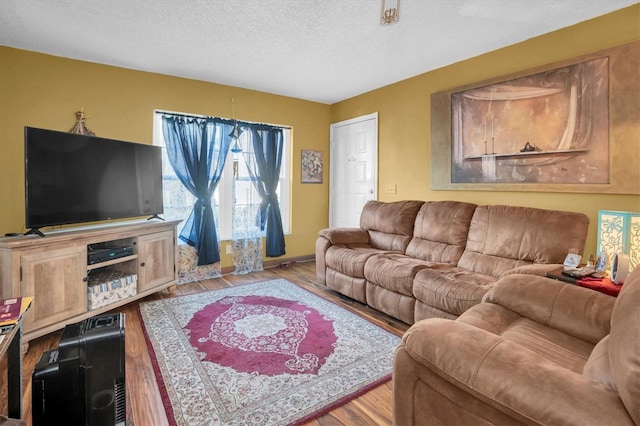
{"points": [[342, 401]]}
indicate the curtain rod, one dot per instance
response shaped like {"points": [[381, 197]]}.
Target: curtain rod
{"points": [[184, 114]]}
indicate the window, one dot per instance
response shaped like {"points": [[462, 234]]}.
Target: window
{"points": [[178, 201]]}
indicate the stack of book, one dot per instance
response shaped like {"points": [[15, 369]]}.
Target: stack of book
{"points": [[11, 310]]}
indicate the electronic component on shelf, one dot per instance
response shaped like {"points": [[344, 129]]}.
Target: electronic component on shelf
{"points": [[99, 255]]}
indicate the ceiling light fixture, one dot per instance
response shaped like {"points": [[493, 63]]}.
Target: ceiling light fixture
{"points": [[390, 12]]}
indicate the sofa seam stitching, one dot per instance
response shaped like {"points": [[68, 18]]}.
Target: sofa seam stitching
{"points": [[484, 357], [472, 383], [552, 306]]}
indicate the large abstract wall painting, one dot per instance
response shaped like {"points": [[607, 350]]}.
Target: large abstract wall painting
{"points": [[551, 127], [572, 126]]}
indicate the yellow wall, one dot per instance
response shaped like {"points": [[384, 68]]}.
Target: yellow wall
{"points": [[45, 91], [405, 114]]}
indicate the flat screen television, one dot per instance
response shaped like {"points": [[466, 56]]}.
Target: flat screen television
{"points": [[72, 178]]}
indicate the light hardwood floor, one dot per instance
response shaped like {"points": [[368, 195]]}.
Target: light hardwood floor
{"points": [[144, 404]]}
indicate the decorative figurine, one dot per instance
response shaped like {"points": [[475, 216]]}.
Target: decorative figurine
{"points": [[80, 128]]}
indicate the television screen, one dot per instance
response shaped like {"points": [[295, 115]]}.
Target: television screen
{"points": [[72, 178]]}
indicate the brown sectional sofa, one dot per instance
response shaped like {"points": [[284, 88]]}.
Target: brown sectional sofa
{"points": [[414, 260], [535, 352]]}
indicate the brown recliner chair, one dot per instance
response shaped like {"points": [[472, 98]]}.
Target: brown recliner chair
{"points": [[535, 351]]}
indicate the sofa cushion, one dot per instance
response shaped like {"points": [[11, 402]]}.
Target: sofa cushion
{"points": [[349, 260], [440, 231], [574, 310], [563, 349], [390, 225], [393, 271], [504, 237], [624, 344], [449, 288], [394, 304], [355, 288]]}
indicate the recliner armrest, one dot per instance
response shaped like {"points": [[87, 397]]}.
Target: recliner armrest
{"points": [[508, 377], [345, 235], [534, 269], [577, 311]]}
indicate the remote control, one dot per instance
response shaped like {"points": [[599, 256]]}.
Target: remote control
{"points": [[579, 272]]}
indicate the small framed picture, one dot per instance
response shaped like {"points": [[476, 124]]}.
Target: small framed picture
{"points": [[572, 260], [601, 263], [312, 166]]}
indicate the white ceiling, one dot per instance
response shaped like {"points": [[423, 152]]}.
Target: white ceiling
{"points": [[319, 50]]}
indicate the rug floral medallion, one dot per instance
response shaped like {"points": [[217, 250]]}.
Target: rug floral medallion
{"points": [[267, 353]]}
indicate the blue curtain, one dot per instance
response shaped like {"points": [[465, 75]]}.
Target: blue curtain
{"points": [[264, 167], [197, 149]]}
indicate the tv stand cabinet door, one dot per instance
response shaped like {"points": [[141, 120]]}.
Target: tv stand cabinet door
{"points": [[156, 260], [56, 280]]}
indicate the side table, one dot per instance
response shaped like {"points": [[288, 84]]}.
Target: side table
{"points": [[603, 285]]}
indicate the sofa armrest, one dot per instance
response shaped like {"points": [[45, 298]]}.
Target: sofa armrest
{"points": [[507, 377], [577, 311], [345, 235], [335, 236], [534, 269]]}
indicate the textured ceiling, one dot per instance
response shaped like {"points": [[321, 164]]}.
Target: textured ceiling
{"points": [[320, 50]]}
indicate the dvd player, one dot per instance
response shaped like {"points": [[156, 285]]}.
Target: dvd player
{"points": [[99, 255]]}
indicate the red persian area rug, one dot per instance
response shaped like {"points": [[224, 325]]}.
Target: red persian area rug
{"points": [[267, 353]]}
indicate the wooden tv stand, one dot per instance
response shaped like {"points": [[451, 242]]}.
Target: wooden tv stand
{"points": [[55, 269]]}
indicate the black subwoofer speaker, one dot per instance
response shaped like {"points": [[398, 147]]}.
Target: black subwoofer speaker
{"points": [[83, 381]]}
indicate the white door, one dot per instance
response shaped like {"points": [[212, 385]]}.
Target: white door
{"points": [[354, 169]]}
